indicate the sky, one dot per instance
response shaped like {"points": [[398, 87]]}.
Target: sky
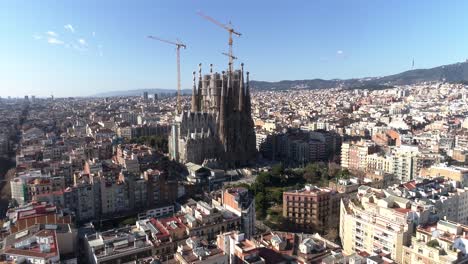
{"points": [[81, 48]]}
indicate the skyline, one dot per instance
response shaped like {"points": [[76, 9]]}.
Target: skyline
{"points": [[81, 49]]}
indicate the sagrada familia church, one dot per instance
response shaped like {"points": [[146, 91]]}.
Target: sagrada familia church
{"points": [[219, 127]]}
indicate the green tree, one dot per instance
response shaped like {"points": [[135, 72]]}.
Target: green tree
{"points": [[260, 205], [433, 243], [314, 172], [264, 179], [333, 169], [331, 234], [343, 174], [277, 170], [275, 195]]}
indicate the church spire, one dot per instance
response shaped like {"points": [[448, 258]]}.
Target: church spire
{"points": [[194, 95], [230, 93], [199, 97], [241, 88], [222, 108], [248, 104]]}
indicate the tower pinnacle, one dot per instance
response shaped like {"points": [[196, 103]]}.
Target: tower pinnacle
{"points": [[194, 95]]}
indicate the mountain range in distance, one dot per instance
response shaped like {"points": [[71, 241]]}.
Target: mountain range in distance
{"points": [[455, 73]]}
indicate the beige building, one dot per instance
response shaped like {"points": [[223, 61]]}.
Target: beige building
{"points": [[459, 174], [345, 155], [406, 162], [378, 223], [377, 162], [444, 242]]}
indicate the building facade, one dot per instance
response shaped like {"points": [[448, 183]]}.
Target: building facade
{"points": [[311, 209], [219, 125]]}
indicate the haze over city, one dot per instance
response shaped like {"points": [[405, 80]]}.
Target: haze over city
{"points": [[86, 47]]}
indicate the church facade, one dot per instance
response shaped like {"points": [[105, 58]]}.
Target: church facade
{"points": [[219, 126]]}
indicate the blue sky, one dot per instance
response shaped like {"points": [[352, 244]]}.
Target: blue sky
{"points": [[79, 48]]}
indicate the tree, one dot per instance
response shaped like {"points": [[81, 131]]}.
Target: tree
{"points": [[275, 195], [315, 172], [277, 170], [343, 174], [331, 234], [260, 205], [333, 169], [433, 243], [264, 179]]}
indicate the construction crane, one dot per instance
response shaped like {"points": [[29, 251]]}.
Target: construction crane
{"points": [[178, 45], [230, 56], [229, 29]]}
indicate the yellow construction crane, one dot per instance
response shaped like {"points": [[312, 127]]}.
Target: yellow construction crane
{"points": [[229, 29], [178, 45]]}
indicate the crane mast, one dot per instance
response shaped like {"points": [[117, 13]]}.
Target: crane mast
{"points": [[229, 29], [231, 57], [178, 45]]}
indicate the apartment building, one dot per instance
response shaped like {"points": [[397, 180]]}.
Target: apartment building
{"points": [[449, 198], [311, 209], [239, 249], [242, 203], [376, 162], [197, 251], [455, 173], [376, 222], [406, 165], [42, 244], [354, 154], [206, 221], [117, 246], [23, 217], [444, 242]]}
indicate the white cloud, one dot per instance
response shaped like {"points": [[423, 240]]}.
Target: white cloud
{"points": [[94, 34], [69, 28], [54, 41], [37, 37], [52, 34], [82, 42], [339, 52]]}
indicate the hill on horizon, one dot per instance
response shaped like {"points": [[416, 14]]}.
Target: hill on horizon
{"points": [[457, 72]]}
